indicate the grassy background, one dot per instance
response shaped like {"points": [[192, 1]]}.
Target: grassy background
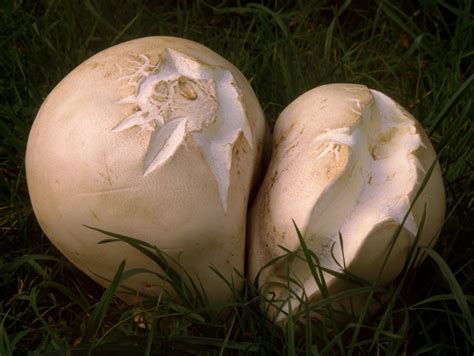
{"points": [[418, 52]]}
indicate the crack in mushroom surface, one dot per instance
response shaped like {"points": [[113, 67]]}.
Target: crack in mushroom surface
{"points": [[382, 143], [181, 99]]}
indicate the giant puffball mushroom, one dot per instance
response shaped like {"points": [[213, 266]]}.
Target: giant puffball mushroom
{"points": [[159, 139], [347, 162]]}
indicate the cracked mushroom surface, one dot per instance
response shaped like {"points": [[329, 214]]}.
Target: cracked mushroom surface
{"points": [[347, 162], [159, 139]]}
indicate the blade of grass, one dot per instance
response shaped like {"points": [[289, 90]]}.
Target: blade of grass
{"points": [[394, 239], [92, 8], [97, 317], [5, 343], [330, 31], [449, 104], [455, 288], [127, 27], [318, 276], [178, 284], [227, 336]]}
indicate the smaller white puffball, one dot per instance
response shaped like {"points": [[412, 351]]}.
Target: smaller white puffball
{"points": [[347, 164]]}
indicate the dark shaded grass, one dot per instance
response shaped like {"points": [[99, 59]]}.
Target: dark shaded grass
{"points": [[420, 53]]}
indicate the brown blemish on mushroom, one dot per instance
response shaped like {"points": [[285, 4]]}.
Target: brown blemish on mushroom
{"points": [[291, 147], [94, 215], [185, 89], [390, 177], [387, 136], [373, 153]]}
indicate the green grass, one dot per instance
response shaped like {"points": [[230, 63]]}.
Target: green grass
{"points": [[420, 53]]}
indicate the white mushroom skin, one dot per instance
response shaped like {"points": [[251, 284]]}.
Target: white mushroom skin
{"points": [[346, 160], [159, 139]]}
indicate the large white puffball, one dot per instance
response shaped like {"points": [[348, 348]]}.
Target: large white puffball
{"points": [[347, 164], [158, 139]]}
